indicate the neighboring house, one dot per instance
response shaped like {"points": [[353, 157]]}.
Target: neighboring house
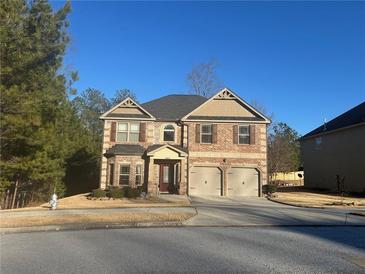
{"points": [[186, 144], [335, 151]]}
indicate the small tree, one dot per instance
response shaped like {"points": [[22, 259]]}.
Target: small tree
{"points": [[203, 79], [122, 94], [283, 149]]}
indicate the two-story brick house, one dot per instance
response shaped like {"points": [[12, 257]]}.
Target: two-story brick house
{"points": [[186, 144]]}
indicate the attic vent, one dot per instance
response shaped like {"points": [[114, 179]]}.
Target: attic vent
{"points": [[128, 103], [225, 94]]}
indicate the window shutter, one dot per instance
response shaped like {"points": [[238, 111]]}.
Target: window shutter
{"points": [[214, 133], [113, 131], [235, 134], [252, 134], [142, 132], [197, 133]]}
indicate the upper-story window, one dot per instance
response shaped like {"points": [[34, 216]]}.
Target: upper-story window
{"points": [[206, 134], [169, 133], [128, 132], [244, 135]]}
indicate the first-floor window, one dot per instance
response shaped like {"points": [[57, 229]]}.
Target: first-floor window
{"points": [[124, 174], [244, 135], [138, 174]]}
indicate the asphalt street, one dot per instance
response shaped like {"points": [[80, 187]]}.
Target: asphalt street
{"points": [[291, 249], [251, 211]]}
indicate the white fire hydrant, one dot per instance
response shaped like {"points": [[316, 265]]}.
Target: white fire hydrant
{"points": [[53, 202]]}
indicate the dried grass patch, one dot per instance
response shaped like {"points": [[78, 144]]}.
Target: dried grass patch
{"points": [[8, 222]]}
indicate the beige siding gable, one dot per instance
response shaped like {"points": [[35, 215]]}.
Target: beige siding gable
{"points": [[223, 107], [127, 110]]}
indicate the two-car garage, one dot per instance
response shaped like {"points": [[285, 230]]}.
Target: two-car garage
{"points": [[208, 180]]}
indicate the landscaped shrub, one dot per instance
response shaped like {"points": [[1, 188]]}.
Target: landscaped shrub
{"points": [[99, 193], [269, 189], [116, 192], [132, 192]]}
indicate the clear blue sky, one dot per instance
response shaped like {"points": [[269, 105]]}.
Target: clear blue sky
{"points": [[302, 60]]}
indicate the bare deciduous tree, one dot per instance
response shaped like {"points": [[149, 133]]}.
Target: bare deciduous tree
{"points": [[203, 79]]}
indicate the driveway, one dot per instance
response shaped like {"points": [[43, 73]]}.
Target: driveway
{"points": [[224, 211]]}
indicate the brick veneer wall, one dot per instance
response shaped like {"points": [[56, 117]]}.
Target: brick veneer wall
{"points": [[225, 154], [154, 135]]}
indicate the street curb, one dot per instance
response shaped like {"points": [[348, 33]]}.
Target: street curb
{"points": [[152, 225], [305, 206], [49, 228], [296, 205]]}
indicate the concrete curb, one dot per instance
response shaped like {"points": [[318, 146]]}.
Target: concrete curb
{"points": [[306, 206], [296, 205], [96, 226], [49, 228]]}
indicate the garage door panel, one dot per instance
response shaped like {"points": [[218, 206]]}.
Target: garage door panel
{"points": [[205, 181], [243, 182]]}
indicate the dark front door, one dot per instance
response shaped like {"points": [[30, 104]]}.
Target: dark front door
{"points": [[166, 172]]}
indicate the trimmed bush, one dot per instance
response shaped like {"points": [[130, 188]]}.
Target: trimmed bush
{"points": [[132, 192], [269, 189], [116, 192], [98, 193]]}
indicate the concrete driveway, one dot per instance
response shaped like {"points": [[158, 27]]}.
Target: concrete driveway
{"points": [[224, 211]]}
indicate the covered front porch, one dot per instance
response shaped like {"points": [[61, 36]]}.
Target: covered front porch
{"points": [[167, 170]]}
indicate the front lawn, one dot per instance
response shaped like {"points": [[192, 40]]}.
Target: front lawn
{"points": [[313, 198]]}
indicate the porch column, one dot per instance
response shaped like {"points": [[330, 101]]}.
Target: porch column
{"points": [[183, 176], [151, 183]]}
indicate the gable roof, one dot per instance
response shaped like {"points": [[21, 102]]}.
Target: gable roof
{"points": [[227, 94], [128, 102], [153, 148], [173, 107], [352, 117]]}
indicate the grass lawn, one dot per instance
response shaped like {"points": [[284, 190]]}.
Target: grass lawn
{"points": [[312, 198], [112, 218], [81, 201]]}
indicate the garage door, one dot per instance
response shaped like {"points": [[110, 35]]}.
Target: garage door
{"points": [[243, 182], [205, 181]]}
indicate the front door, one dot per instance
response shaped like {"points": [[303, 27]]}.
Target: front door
{"points": [[166, 175]]}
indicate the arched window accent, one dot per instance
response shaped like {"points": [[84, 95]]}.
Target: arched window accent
{"points": [[169, 133]]}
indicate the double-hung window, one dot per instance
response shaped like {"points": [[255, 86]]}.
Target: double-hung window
{"points": [[138, 174], [128, 132], [244, 135], [169, 133], [124, 174], [206, 134]]}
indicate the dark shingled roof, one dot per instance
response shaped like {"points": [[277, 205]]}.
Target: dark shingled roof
{"points": [[120, 149], [154, 147], [352, 117], [173, 107]]}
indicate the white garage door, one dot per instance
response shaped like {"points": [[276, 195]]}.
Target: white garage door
{"points": [[243, 182], [205, 181]]}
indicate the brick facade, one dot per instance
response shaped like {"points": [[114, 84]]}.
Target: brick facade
{"points": [[224, 152]]}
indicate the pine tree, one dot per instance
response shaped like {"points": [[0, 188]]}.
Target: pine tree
{"points": [[34, 105]]}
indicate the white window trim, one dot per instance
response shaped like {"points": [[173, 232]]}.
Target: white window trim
{"points": [[163, 133], [201, 133], [239, 134], [139, 175], [120, 174], [128, 130]]}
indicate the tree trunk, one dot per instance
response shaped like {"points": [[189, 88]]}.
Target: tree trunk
{"points": [[14, 195]]}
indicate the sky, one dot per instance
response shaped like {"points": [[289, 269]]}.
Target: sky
{"points": [[303, 61]]}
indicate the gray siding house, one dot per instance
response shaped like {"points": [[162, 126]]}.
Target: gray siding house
{"points": [[335, 151]]}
